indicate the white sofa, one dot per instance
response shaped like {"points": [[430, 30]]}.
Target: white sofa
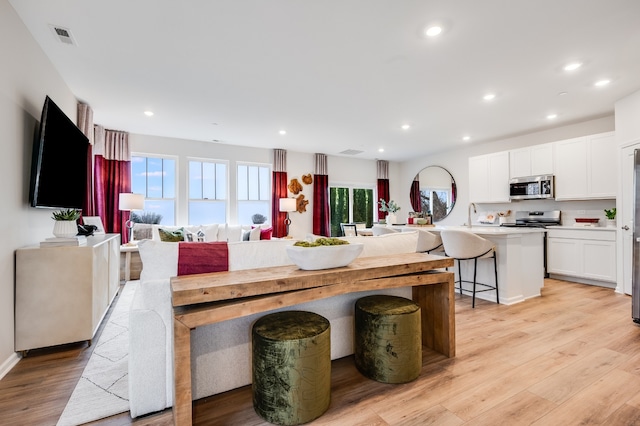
{"points": [[220, 353]]}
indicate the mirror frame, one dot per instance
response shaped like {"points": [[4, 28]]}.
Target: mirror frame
{"points": [[452, 194]]}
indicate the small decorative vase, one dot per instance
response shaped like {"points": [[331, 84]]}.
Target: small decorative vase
{"points": [[611, 223], [392, 219], [65, 228]]}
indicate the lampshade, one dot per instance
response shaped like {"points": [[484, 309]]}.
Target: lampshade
{"points": [[128, 201], [288, 205]]}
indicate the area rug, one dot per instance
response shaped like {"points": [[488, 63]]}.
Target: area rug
{"points": [[103, 389]]}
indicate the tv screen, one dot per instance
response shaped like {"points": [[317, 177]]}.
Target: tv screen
{"points": [[59, 165]]}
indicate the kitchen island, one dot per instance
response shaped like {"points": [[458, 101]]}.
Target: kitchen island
{"points": [[520, 256]]}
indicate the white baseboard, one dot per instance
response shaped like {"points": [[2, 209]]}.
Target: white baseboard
{"points": [[8, 364]]}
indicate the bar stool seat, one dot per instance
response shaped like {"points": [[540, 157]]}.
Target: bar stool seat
{"points": [[291, 367], [388, 338], [463, 245]]}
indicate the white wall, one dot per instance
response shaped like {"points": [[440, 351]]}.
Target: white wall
{"points": [[342, 170], [26, 77], [456, 162]]}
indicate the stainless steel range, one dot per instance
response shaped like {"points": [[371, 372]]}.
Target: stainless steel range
{"points": [[536, 219]]}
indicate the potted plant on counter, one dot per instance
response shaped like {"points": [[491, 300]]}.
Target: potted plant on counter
{"points": [[65, 226], [391, 208], [611, 217]]}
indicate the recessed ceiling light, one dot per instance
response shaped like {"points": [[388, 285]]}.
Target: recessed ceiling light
{"points": [[466, 138], [489, 97], [406, 127], [283, 132], [433, 30], [148, 113], [380, 149], [563, 93], [572, 66], [552, 116], [602, 83]]}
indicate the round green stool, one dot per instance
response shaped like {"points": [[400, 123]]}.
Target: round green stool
{"points": [[388, 338], [291, 367]]}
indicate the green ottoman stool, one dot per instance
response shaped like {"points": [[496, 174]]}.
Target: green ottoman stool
{"points": [[291, 367], [388, 338]]}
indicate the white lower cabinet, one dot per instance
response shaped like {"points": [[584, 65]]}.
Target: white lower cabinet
{"points": [[63, 293], [582, 253]]}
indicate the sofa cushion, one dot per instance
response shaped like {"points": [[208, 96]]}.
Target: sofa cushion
{"points": [[159, 260], [171, 236], [142, 231], [266, 233], [210, 231]]}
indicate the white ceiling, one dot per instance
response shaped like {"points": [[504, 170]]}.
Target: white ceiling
{"points": [[341, 74]]}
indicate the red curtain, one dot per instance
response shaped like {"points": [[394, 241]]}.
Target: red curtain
{"points": [[383, 192], [111, 178], [279, 191], [321, 219], [416, 203]]}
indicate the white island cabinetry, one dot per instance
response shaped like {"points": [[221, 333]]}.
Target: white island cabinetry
{"points": [[62, 293], [584, 255]]}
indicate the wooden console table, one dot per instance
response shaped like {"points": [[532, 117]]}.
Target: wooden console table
{"points": [[210, 298]]}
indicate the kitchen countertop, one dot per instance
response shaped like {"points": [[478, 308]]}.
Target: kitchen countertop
{"points": [[492, 230]]}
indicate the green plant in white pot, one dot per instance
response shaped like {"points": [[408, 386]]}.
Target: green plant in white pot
{"points": [[391, 208], [611, 216], [65, 226]]}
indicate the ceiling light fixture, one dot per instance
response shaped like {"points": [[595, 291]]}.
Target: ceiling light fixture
{"points": [[380, 149], [283, 132], [602, 83], [466, 138], [433, 31], [148, 113], [489, 97], [572, 66], [552, 116], [563, 93], [406, 127]]}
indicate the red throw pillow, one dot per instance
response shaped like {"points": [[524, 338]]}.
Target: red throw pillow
{"points": [[265, 233]]}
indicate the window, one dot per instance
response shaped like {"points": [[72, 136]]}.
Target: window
{"points": [[350, 205], [155, 178], [254, 192], [436, 201], [207, 192]]}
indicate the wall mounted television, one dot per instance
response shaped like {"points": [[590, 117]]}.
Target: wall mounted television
{"points": [[59, 161]]}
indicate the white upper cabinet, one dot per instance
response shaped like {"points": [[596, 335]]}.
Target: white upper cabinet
{"points": [[585, 167], [489, 178], [531, 161]]}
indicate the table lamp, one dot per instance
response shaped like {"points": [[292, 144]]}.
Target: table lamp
{"points": [[287, 205], [128, 202]]}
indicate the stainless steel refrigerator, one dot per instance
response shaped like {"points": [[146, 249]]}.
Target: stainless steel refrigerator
{"points": [[635, 287]]}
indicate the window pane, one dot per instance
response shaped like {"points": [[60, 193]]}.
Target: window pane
{"points": [[139, 175], [221, 181], [207, 212], [339, 209], [208, 181], [166, 208], [246, 209], [363, 206], [265, 184], [253, 183], [154, 177], [243, 183], [169, 178], [195, 179]]}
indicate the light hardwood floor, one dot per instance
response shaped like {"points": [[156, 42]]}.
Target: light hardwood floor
{"points": [[569, 357]]}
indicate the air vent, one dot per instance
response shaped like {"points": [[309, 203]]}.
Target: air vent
{"points": [[63, 34], [351, 152]]}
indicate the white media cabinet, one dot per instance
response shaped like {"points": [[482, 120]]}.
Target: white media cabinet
{"points": [[63, 293]]}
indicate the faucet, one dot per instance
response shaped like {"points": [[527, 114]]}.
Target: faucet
{"points": [[469, 214]]}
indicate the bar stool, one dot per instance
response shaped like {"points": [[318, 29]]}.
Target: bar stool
{"points": [[427, 241], [291, 367], [388, 338], [463, 245]]}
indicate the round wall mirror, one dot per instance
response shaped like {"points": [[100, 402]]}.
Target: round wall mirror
{"points": [[433, 191]]}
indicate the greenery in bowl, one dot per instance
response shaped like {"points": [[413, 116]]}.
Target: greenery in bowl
{"points": [[67, 214], [611, 214]]}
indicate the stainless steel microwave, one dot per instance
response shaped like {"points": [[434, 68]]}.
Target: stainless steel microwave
{"points": [[531, 188]]}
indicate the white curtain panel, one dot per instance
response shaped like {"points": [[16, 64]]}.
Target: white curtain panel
{"points": [[383, 169], [111, 144], [85, 121], [321, 165], [279, 160]]}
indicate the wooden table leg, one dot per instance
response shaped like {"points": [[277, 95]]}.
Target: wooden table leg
{"points": [[127, 266], [438, 314], [182, 405]]}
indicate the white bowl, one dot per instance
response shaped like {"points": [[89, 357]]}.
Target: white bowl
{"points": [[324, 257]]}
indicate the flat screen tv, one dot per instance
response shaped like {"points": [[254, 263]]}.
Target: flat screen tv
{"points": [[59, 164]]}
